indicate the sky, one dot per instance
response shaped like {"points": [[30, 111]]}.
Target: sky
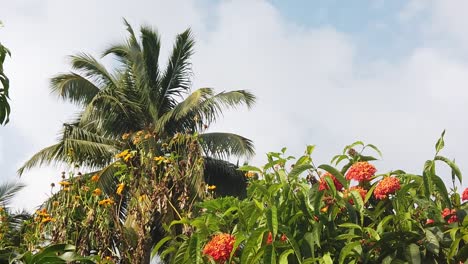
{"points": [[393, 73]]}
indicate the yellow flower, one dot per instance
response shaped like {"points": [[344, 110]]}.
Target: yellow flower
{"points": [[77, 197], [158, 158], [139, 133], [55, 203], [95, 178], [47, 219], [85, 188], [66, 189], [125, 136], [106, 202], [122, 154], [147, 136], [65, 183], [97, 192], [127, 157], [142, 197], [250, 174], [42, 212], [120, 188], [211, 187], [1, 209]]}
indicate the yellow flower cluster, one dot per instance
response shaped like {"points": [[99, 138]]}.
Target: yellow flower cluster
{"points": [[43, 217], [106, 202], [126, 155], [97, 192], [65, 184], [211, 187]]}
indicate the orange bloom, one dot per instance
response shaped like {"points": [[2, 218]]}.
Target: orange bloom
{"points": [[95, 178], [361, 171], [47, 219], [389, 185], [269, 238], [106, 202], [120, 188], [359, 189], [65, 183], [452, 214], [250, 174], [323, 183], [220, 247], [465, 194], [97, 192]]}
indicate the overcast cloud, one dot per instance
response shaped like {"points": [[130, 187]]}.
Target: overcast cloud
{"points": [[316, 84]]}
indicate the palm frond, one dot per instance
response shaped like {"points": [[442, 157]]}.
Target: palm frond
{"points": [[151, 48], [90, 68], [176, 78], [48, 155], [76, 144], [202, 109], [74, 88], [225, 145], [225, 176], [8, 191]]}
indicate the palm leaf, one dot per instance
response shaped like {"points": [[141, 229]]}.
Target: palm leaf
{"points": [[176, 78], [74, 88], [8, 191], [90, 68], [225, 145]]}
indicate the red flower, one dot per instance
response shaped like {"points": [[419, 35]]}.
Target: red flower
{"points": [[429, 221], [389, 185], [284, 238], [323, 183], [450, 213], [361, 171], [359, 189], [465, 195], [269, 239], [220, 247]]}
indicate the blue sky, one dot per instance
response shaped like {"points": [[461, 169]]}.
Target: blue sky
{"points": [[388, 72]]}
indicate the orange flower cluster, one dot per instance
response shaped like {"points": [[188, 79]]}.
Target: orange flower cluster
{"points": [[220, 247], [43, 217], [389, 185], [361, 171], [323, 183], [450, 213], [465, 194], [120, 188], [106, 202], [359, 189], [95, 178]]}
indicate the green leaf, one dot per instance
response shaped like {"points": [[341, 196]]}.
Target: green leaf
{"points": [[427, 177], [272, 220], [338, 159], [346, 251], [335, 173], [452, 165], [159, 245], [374, 148], [440, 143], [432, 244], [284, 256], [195, 249], [351, 226], [327, 258], [440, 187], [298, 169], [250, 168], [270, 255], [413, 253]]}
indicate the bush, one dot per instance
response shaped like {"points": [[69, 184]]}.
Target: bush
{"points": [[346, 215]]}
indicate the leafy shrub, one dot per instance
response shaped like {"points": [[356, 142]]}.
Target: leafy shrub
{"points": [[345, 215]]}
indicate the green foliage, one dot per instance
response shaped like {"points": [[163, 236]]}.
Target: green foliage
{"points": [[60, 253], [4, 86], [300, 215]]}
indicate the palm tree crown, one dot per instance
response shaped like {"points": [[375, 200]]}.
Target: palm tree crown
{"points": [[138, 94]]}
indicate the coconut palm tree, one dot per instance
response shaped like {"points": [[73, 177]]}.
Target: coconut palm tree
{"points": [[140, 94]]}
